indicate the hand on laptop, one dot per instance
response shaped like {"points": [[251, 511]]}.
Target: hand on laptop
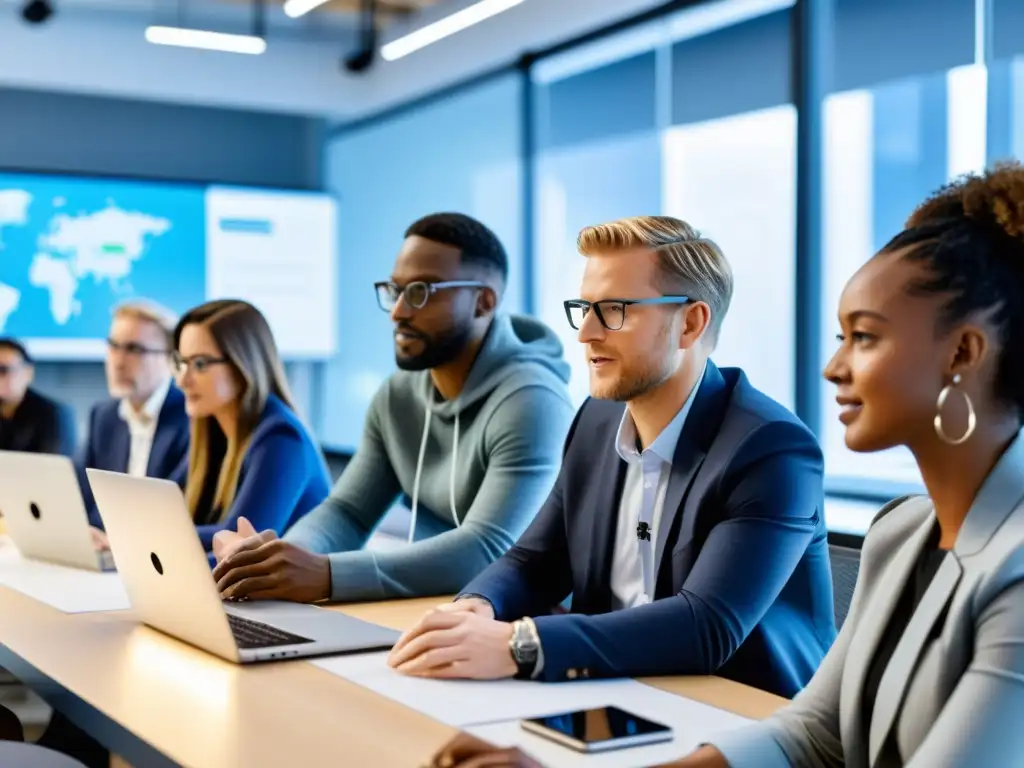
{"points": [[227, 541], [455, 641], [99, 540], [262, 567]]}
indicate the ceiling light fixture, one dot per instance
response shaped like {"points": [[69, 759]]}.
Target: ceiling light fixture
{"points": [[201, 38], [36, 11], [362, 59], [442, 28], [296, 8], [185, 37]]}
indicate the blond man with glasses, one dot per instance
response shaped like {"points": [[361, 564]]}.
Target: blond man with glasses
{"points": [[687, 519]]}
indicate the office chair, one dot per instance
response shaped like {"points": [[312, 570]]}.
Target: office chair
{"points": [[844, 556], [30, 756], [14, 750], [10, 726]]}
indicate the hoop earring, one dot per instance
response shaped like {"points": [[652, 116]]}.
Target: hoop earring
{"points": [[971, 420]]}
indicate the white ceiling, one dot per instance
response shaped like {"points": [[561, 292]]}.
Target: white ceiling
{"points": [[97, 47], [333, 16]]}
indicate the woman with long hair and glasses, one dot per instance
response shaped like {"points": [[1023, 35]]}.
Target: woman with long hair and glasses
{"points": [[250, 456]]}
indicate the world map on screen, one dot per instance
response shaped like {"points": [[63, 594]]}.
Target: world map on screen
{"points": [[72, 249]]}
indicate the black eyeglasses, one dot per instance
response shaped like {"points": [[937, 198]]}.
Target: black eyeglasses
{"points": [[133, 348], [198, 363], [416, 294], [611, 312]]}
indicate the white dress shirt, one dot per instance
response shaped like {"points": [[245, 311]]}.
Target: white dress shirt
{"points": [[142, 428], [643, 499]]}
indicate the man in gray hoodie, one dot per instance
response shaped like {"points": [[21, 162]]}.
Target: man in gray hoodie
{"points": [[470, 430]]}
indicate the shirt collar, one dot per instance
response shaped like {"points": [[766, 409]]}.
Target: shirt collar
{"points": [[150, 410], [664, 446]]}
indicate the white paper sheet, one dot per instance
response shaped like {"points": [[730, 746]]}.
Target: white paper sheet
{"points": [[692, 724], [465, 703], [70, 590], [8, 552]]}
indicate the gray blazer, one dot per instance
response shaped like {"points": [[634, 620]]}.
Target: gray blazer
{"points": [[954, 702]]}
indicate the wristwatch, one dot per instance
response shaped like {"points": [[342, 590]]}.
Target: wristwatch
{"points": [[524, 647]]}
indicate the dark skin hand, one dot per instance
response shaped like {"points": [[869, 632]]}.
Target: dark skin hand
{"points": [[265, 568], [704, 757], [465, 751]]}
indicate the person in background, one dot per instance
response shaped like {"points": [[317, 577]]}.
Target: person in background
{"points": [[928, 669], [687, 520], [30, 421], [470, 428], [249, 455], [142, 430]]}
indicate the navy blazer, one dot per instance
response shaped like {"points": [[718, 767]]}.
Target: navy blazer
{"points": [[109, 443], [283, 476], [743, 583]]}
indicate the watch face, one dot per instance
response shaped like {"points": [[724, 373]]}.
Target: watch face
{"points": [[524, 648], [523, 633]]}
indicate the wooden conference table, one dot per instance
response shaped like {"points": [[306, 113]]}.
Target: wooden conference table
{"points": [[159, 702]]}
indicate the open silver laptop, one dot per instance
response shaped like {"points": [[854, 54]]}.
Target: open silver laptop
{"points": [[171, 588], [42, 506]]}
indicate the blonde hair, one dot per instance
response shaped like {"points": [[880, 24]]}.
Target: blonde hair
{"points": [[688, 264], [150, 312], [245, 339]]}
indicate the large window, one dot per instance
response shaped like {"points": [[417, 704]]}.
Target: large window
{"points": [[690, 117], [1005, 132], [908, 113], [693, 115], [459, 154]]}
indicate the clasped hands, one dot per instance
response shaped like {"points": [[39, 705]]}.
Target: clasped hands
{"points": [[456, 640], [255, 565]]}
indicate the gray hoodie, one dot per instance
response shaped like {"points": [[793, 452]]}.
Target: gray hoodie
{"points": [[476, 469]]}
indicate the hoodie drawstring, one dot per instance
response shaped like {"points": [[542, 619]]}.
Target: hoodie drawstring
{"points": [[419, 472], [451, 476]]}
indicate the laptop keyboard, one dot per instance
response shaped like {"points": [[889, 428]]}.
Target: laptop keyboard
{"points": [[252, 634]]}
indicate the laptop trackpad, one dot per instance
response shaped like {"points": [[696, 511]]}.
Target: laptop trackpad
{"points": [[306, 620]]}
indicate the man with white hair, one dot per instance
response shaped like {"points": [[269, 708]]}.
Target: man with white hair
{"points": [[143, 429]]}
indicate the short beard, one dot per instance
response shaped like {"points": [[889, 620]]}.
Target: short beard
{"points": [[636, 385], [439, 350]]}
